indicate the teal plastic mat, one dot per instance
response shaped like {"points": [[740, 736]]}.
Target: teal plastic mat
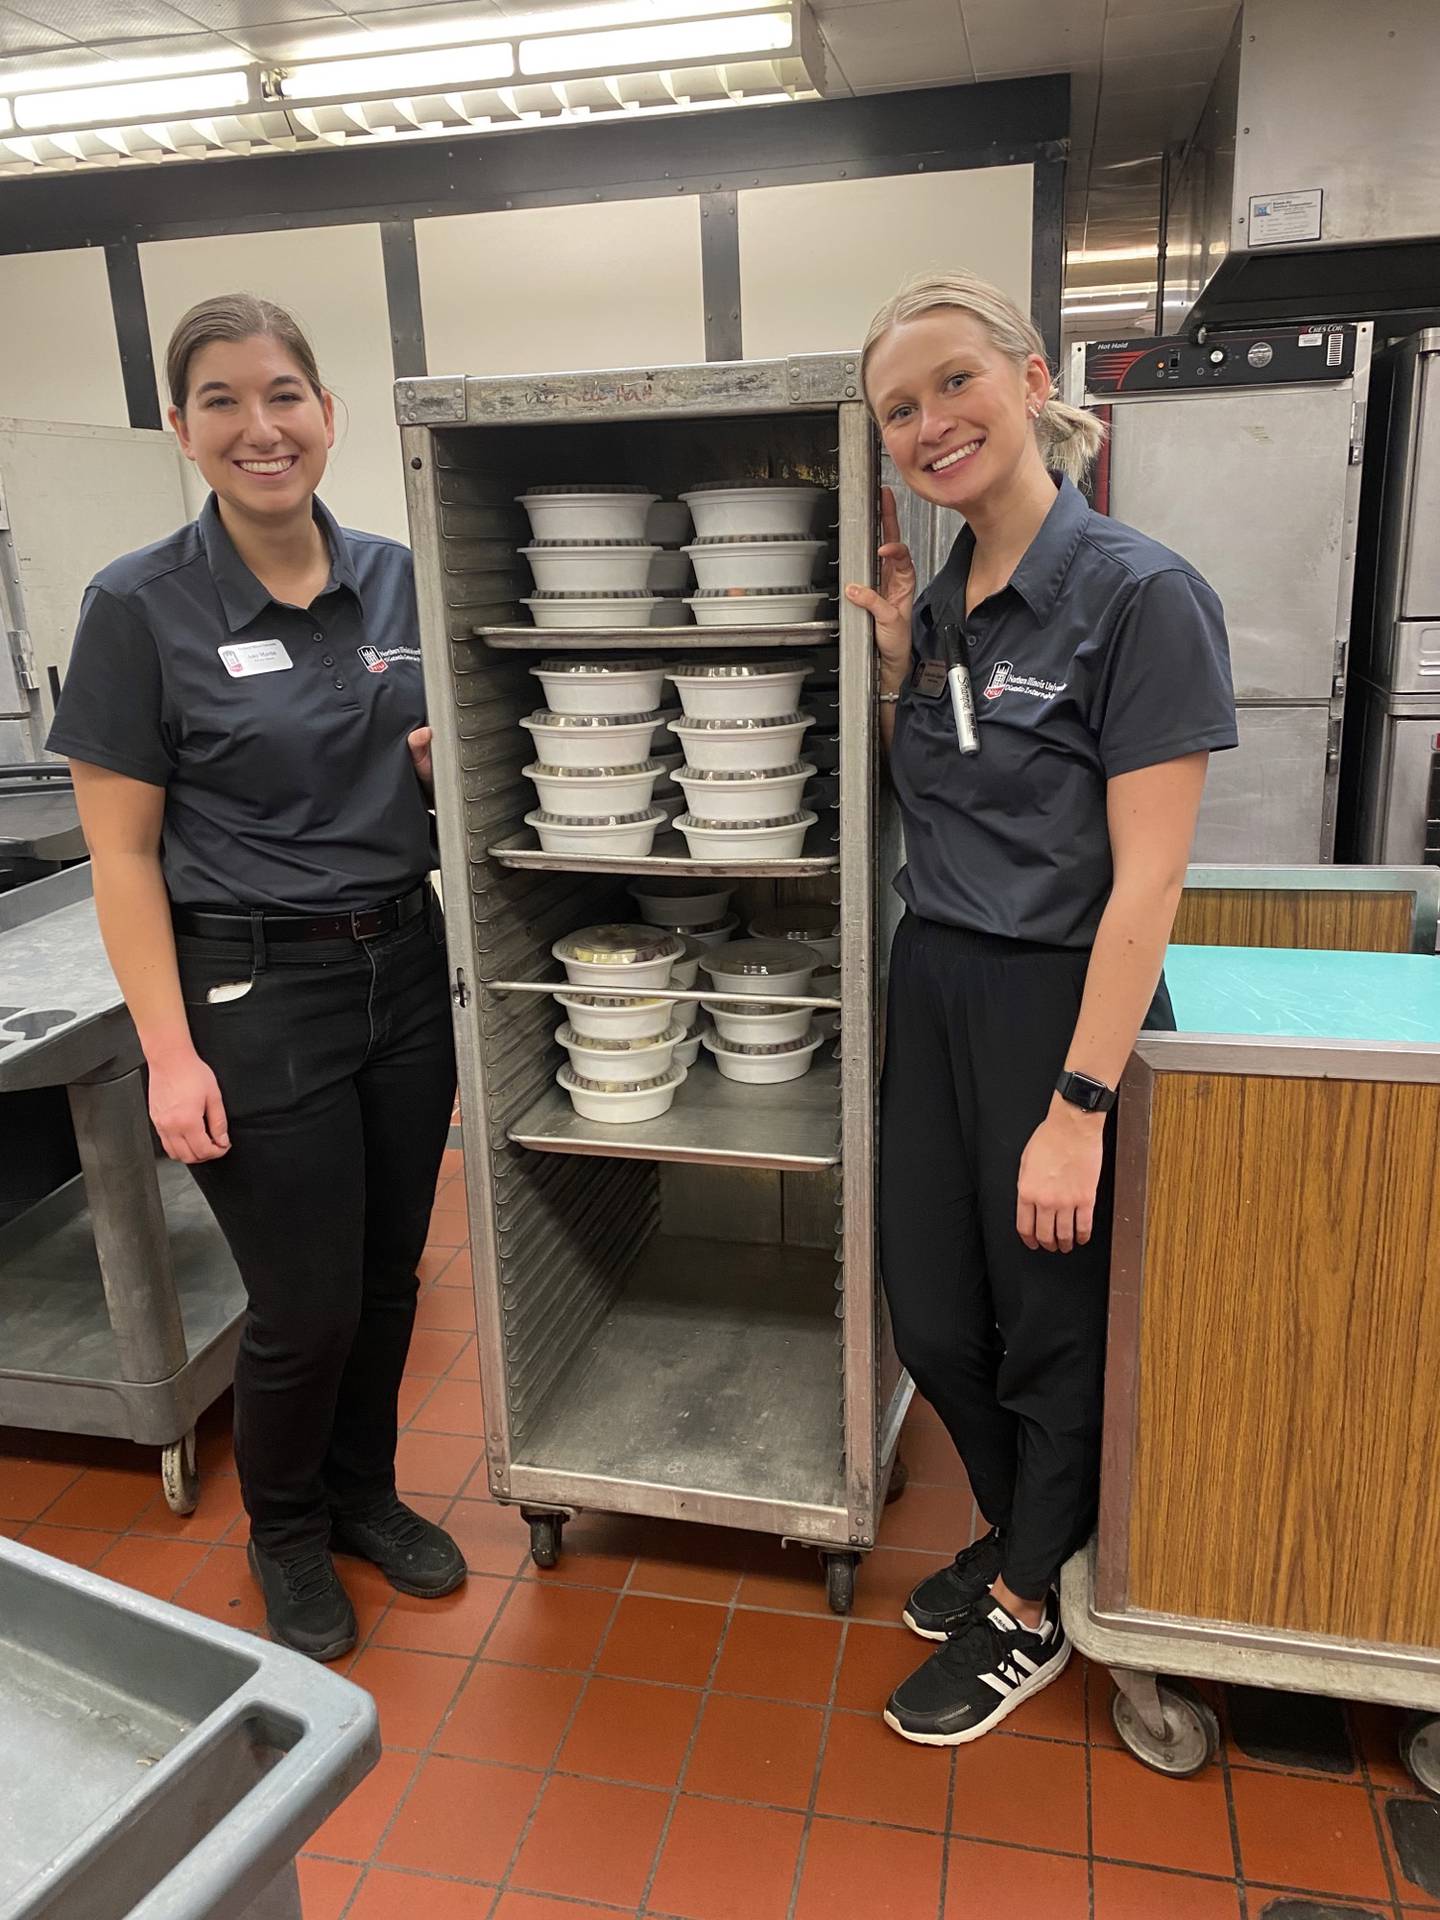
{"points": [[1293, 993]]}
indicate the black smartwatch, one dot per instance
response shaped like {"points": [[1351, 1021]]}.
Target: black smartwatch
{"points": [[1091, 1096]]}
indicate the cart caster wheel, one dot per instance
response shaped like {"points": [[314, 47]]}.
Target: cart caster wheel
{"points": [[544, 1536], [1192, 1730], [899, 1480], [840, 1580], [179, 1475], [1420, 1751]]}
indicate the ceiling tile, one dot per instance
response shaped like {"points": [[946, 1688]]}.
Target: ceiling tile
{"points": [[95, 20], [18, 35], [225, 15], [898, 43], [1033, 36], [1164, 114], [1158, 71], [1177, 30], [384, 16]]}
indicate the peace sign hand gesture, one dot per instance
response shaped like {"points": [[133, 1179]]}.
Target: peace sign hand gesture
{"points": [[891, 607]]}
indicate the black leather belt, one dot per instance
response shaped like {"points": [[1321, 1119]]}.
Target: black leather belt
{"points": [[365, 925]]}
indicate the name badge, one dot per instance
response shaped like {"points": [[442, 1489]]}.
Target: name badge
{"points": [[255, 656], [930, 681]]}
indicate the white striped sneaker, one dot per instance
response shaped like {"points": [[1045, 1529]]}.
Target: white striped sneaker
{"points": [[989, 1666]]}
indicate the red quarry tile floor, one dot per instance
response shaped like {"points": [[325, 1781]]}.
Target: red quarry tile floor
{"points": [[670, 1725]]}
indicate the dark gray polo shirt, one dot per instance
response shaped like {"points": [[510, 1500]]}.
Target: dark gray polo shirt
{"points": [[1104, 653], [277, 732]]}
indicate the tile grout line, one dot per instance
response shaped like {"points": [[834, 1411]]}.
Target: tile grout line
{"points": [[811, 1806], [706, 1693]]}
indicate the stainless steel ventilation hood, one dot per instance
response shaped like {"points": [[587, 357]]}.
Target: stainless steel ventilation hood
{"points": [[1311, 189]]}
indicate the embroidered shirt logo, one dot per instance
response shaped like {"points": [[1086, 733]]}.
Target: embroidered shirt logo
{"points": [[373, 662], [1004, 679]]}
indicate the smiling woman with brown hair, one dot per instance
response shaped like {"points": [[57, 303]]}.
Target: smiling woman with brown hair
{"points": [[244, 714], [1048, 817]]}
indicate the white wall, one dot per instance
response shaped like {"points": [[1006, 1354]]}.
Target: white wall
{"points": [[541, 289], [333, 280], [816, 261], [59, 359]]}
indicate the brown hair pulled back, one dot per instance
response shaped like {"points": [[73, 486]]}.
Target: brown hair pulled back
{"points": [[234, 316]]}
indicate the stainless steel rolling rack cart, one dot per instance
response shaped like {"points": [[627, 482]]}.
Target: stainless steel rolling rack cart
{"points": [[678, 1318]]}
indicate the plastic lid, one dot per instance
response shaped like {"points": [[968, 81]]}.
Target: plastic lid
{"points": [[596, 491], [747, 1006], [683, 725], [743, 958], [592, 773], [732, 670], [665, 886], [569, 1078], [758, 593], [548, 595], [760, 1049], [584, 668], [735, 776], [628, 1043], [618, 944], [542, 818], [574, 998], [543, 717], [755, 540], [751, 486], [564, 546], [744, 826], [798, 922]]}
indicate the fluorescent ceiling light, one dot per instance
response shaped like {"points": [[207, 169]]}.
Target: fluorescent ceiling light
{"points": [[5, 120], [672, 45], [445, 68], [115, 72], [1106, 306], [139, 100]]}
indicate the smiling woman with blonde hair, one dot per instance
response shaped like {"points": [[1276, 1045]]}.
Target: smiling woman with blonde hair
{"points": [[244, 714], [1048, 704]]}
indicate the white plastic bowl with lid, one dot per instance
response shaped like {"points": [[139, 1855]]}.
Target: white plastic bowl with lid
{"points": [[707, 937], [745, 607], [756, 1022], [618, 1103], [762, 968], [817, 925], [671, 900], [618, 954], [784, 508], [582, 612], [738, 690], [782, 839], [628, 1058], [616, 833], [578, 791], [590, 566], [751, 744], [591, 740], [742, 794], [588, 513], [599, 1018], [784, 566], [601, 686], [763, 1065]]}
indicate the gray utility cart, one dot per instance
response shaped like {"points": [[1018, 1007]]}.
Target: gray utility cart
{"points": [[157, 1766], [120, 1305], [679, 1317]]}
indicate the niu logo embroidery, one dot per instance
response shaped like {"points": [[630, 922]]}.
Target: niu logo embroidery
{"points": [[373, 662], [999, 679]]}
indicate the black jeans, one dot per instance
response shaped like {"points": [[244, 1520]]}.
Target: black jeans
{"points": [[337, 1068], [1008, 1345]]}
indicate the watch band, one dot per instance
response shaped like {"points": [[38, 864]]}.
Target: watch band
{"points": [[1091, 1096]]}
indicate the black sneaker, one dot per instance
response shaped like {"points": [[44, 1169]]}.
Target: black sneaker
{"points": [[415, 1555], [987, 1668], [942, 1600], [306, 1608]]}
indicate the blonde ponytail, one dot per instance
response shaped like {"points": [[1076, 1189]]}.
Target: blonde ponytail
{"points": [[1068, 437]]}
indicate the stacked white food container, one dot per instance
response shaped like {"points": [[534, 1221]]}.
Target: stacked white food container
{"points": [[622, 1049], [743, 778], [593, 772], [754, 1041], [591, 558], [754, 555]]}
